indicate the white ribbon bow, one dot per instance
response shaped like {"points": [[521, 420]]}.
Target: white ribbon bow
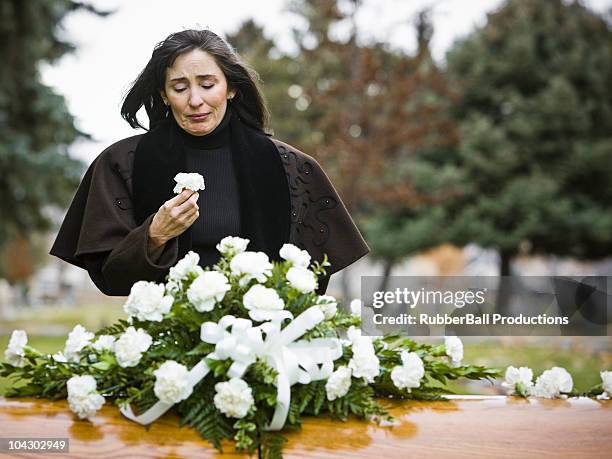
{"points": [[295, 361]]}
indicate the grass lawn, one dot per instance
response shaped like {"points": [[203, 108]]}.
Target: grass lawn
{"points": [[61, 319], [583, 357]]}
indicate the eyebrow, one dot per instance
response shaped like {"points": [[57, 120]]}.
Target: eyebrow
{"points": [[208, 76]]}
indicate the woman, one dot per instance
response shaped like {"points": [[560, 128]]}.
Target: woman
{"points": [[206, 115]]}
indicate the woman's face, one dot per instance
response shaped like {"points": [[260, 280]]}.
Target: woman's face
{"points": [[196, 91]]}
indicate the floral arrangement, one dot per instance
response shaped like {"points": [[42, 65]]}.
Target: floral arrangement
{"points": [[240, 351], [553, 383]]}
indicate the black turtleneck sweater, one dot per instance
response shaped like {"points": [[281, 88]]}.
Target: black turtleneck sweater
{"points": [[211, 156]]}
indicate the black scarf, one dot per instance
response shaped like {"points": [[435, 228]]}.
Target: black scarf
{"points": [[262, 183]]}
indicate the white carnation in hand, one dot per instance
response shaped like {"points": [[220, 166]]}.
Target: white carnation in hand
{"points": [[295, 255], [328, 305], [130, 346], [171, 383], [78, 338], [606, 381], [207, 289], [192, 181], [104, 343], [234, 398], [519, 380], [552, 383], [265, 304], [302, 279], [454, 349], [364, 363], [251, 265], [148, 301], [15, 353], [188, 264], [83, 398], [232, 245], [338, 383], [409, 374]]}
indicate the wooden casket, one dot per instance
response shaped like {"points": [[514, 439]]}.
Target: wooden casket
{"points": [[464, 426]]}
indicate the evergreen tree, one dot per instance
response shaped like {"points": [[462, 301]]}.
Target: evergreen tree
{"points": [[36, 128], [536, 131]]}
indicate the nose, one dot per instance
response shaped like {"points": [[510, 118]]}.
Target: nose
{"points": [[196, 99]]}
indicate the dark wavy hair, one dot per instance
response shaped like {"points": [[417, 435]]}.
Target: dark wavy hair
{"points": [[248, 100]]}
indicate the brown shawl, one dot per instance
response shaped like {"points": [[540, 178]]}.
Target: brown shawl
{"points": [[102, 211]]}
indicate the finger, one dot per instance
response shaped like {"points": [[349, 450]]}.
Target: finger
{"points": [[187, 219], [191, 203], [180, 198], [194, 217]]}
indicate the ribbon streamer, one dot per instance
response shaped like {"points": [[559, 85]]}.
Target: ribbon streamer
{"points": [[295, 361]]}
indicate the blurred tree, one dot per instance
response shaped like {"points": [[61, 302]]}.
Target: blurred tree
{"points": [[277, 73], [536, 131], [417, 184], [374, 115], [35, 125], [21, 267]]}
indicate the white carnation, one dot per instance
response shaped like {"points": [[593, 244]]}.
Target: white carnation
{"points": [[82, 396], [264, 304], [173, 287], [232, 245], [171, 382], [188, 264], [78, 338], [104, 343], [454, 349], [552, 383], [409, 374], [606, 381], [356, 306], [338, 383], [328, 305], [130, 346], [15, 352], [148, 301], [302, 279], [234, 398], [251, 265], [192, 181], [364, 363], [59, 357], [207, 289], [354, 335], [295, 255], [515, 376]]}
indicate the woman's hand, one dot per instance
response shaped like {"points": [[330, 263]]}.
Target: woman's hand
{"points": [[173, 218]]}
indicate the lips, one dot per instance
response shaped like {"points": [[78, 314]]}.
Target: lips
{"points": [[199, 116]]}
